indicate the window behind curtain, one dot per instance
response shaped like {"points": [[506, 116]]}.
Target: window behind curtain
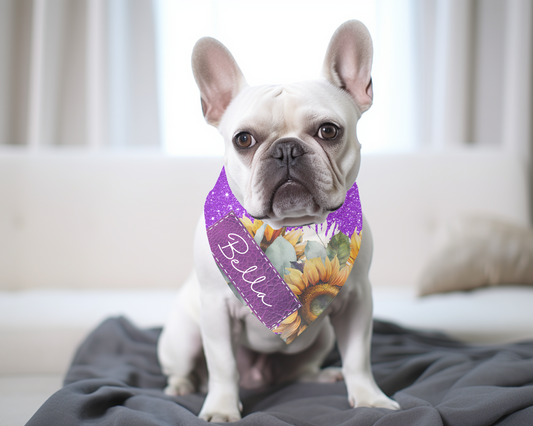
{"points": [[280, 42]]}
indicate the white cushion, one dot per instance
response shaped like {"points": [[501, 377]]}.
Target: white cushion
{"points": [[479, 251], [41, 329], [486, 316]]}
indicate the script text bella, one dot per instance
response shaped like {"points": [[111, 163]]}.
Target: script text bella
{"points": [[238, 246]]}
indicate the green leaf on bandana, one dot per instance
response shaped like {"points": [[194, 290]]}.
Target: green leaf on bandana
{"points": [[315, 249], [259, 234], [339, 245], [281, 253], [231, 286]]}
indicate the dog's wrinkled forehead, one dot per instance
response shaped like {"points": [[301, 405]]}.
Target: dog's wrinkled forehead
{"points": [[271, 112]]}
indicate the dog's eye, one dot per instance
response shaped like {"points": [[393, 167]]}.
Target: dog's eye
{"points": [[244, 140], [328, 131]]}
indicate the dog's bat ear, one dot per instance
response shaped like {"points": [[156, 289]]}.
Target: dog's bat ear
{"points": [[348, 62], [218, 76]]}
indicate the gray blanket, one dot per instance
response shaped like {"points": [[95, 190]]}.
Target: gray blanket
{"points": [[115, 379]]}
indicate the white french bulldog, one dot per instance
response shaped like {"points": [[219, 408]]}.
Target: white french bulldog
{"points": [[291, 154]]}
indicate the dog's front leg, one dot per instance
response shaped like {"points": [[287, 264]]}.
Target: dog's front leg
{"points": [[220, 337], [353, 329], [352, 322]]}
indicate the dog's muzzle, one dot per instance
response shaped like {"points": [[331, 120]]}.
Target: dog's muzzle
{"points": [[290, 176]]}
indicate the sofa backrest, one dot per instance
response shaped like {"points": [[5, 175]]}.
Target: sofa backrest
{"points": [[127, 220], [407, 198]]}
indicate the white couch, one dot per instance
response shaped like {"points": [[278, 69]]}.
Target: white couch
{"points": [[86, 236]]}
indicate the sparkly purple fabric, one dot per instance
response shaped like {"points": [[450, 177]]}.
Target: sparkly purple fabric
{"points": [[349, 216], [221, 200]]}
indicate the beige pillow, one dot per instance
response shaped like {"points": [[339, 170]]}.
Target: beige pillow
{"points": [[479, 251]]}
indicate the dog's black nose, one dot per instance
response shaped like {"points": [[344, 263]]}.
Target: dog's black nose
{"points": [[288, 151]]}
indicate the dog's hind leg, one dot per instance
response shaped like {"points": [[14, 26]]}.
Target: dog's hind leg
{"points": [[305, 366], [308, 368]]}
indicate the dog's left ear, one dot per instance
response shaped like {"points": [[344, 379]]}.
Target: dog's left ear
{"points": [[348, 62]]}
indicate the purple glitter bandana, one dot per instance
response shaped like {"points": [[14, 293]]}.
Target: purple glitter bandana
{"points": [[289, 276]]}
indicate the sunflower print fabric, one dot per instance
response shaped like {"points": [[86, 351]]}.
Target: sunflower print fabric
{"points": [[314, 261]]}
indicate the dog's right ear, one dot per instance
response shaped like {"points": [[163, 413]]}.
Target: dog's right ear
{"points": [[218, 77]]}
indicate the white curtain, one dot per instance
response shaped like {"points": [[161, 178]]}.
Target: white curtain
{"points": [[85, 72], [475, 68], [78, 72]]}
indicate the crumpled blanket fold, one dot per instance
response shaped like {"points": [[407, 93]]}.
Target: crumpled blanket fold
{"points": [[115, 379]]}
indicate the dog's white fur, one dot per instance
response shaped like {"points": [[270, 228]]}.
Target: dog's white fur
{"points": [[208, 314]]}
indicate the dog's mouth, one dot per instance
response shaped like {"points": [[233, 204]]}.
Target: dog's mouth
{"points": [[292, 198], [332, 209], [293, 204]]}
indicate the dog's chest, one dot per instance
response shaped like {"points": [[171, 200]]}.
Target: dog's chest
{"points": [[255, 336]]}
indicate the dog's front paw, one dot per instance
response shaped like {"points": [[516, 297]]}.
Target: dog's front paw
{"points": [[378, 401], [179, 386], [220, 409], [370, 396], [219, 417]]}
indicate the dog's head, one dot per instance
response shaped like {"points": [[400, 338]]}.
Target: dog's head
{"points": [[291, 150]]}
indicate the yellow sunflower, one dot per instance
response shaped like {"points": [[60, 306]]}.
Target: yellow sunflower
{"points": [[295, 237], [355, 245], [270, 234], [251, 226], [291, 327], [315, 287]]}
